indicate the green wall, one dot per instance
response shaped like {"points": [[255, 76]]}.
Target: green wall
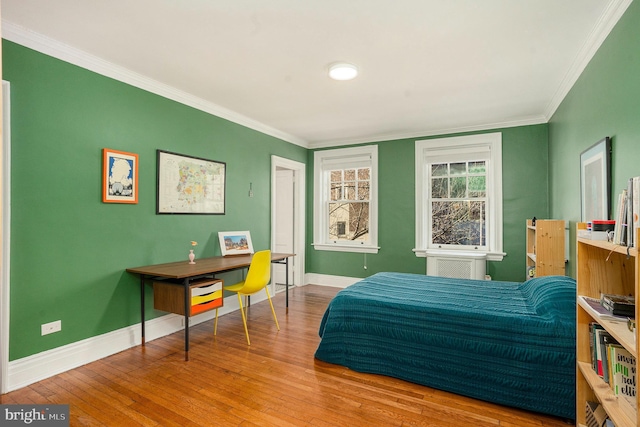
{"points": [[605, 101], [68, 249], [525, 194]]}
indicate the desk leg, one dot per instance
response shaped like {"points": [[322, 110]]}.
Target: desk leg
{"points": [[286, 283], [187, 307], [142, 306]]}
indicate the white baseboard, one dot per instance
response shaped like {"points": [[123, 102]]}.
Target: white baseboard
{"points": [[37, 367], [328, 280]]}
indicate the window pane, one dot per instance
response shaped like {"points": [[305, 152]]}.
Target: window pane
{"points": [[350, 190], [477, 210], [458, 168], [355, 219], [477, 186], [349, 174], [439, 169], [477, 167], [364, 174], [363, 190], [336, 191], [477, 183], [440, 188], [336, 176], [459, 223], [458, 187]]}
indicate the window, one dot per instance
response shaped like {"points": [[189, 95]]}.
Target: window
{"points": [[345, 199], [459, 195]]}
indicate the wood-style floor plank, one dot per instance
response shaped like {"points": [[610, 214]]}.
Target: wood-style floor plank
{"points": [[274, 382]]}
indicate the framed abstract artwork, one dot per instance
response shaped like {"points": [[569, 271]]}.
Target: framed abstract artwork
{"points": [[190, 185], [119, 176], [595, 181]]}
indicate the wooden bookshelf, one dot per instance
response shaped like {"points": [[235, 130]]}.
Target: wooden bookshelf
{"points": [[603, 267], [546, 247]]}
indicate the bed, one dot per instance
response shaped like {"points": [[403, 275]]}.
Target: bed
{"points": [[506, 342]]}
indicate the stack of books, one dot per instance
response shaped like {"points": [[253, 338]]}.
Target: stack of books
{"points": [[619, 305]]}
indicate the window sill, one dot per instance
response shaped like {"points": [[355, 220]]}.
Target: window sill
{"points": [[346, 248], [490, 256]]}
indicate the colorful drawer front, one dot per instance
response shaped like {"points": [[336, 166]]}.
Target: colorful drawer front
{"points": [[206, 298], [205, 295]]}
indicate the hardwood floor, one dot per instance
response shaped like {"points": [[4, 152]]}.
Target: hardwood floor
{"points": [[275, 382]]}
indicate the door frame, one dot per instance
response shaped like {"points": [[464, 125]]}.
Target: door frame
{"points": [[298, 261], [5, 234]]}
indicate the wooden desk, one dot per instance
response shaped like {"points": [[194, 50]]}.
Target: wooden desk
{"points": [[203, 268]]}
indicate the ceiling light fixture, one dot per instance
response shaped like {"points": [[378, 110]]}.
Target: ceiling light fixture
{"points": [[343, 71]]}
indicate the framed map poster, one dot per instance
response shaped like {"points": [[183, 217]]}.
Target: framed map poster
{"points": [[190, 185]]}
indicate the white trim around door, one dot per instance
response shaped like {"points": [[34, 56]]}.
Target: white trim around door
{"points": [[296, 262]]}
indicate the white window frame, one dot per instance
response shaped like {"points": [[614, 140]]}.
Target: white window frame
{"points": [[456, 146], [343, 158]]}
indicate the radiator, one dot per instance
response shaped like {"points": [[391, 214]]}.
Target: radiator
{"points": [[458, 265]]}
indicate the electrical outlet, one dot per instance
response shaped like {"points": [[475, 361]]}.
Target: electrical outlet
{"points": [[49, 328]]}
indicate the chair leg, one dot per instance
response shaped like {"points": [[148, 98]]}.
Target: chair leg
{"points": [[272, 310], [244, 319], [215, 324]]}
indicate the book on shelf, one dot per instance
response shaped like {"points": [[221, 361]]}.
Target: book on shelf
{"points": [[619, 231], [619, 305], [629, 213], [607, 345], [623, 375], [601, 342], [600, 311], [635, 209]]}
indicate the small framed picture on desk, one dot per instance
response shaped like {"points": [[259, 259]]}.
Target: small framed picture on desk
{"points": [[235, 242]]}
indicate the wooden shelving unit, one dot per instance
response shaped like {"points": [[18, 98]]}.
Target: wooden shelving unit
{"points": [[546, 247], [603, 267]]}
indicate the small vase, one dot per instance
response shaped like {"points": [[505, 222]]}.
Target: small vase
{"points": [[192, 256]]}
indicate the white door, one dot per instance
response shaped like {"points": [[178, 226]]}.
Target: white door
{"points": [[288, 219], [284, 224]]}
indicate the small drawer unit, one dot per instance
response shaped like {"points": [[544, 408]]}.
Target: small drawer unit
{"points": [[206, 294]]}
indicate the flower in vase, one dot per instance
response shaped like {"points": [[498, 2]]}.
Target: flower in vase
{"points": [[191, 254]]}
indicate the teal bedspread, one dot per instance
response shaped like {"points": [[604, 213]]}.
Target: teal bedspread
{"points": [[504, 342]]}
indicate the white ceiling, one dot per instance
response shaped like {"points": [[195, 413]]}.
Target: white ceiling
{"points": [[427, 67]]}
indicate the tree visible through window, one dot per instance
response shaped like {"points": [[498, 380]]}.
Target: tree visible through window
{"points": [[349, 204], [345, 199], [458, 203], [459, 195]]}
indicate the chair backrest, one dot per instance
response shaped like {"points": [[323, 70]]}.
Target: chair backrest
{"points": [[259, 273]]}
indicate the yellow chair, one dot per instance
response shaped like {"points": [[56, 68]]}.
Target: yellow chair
{"points": [[257, 279]]}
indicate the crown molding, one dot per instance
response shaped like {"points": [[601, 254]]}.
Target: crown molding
{"points": [[607, 21], [48, 46], [533, 120]]}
